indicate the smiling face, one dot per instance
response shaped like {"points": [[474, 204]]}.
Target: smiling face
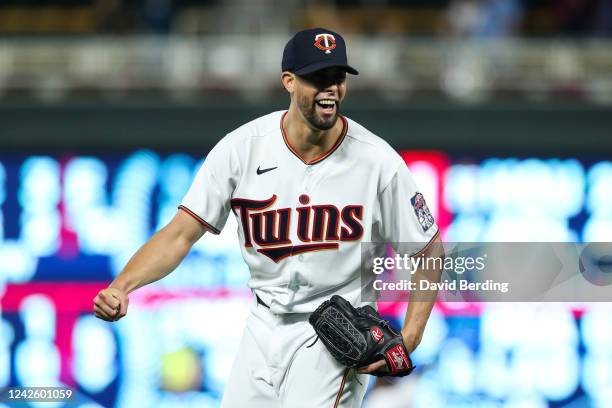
{"points": [[318, 96]]}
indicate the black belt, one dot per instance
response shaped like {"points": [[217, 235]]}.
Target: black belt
{"points": [[261, 302]]}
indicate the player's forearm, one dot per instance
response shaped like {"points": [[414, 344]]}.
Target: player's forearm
{"points": [[154, 260], [422, 300], [416, 317]]}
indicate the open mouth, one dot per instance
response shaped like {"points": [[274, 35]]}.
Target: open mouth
{"points": [[326, 106]]}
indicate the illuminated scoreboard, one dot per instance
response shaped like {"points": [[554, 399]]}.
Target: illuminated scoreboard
{"points": [[69, 223]]}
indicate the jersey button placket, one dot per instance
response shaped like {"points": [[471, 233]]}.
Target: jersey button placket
{"points": [[307, 179]]}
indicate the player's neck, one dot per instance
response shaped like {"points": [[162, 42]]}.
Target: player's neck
{"points": [[309, 142]]}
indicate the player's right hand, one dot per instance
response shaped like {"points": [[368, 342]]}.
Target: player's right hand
{"points": [[110, 304]]}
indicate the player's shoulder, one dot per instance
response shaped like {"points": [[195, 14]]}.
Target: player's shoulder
{"points": [[234, 148], [369, 144], [258, 127]]}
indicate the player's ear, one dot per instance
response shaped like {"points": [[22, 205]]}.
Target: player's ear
{"points": [[288, 80]]}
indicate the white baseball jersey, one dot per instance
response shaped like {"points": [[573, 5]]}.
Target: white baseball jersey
{"points": [[300, 224]]}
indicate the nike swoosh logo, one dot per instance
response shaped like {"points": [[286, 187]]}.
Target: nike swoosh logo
{"points": [[262, 171]]}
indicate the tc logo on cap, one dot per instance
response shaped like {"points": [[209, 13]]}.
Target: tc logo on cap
{"points": [[325, 42]]}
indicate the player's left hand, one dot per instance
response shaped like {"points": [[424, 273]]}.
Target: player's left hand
{"points": [[410, 341], [345, 330]]}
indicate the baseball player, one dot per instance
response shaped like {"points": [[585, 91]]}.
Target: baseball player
{"points": [[307, 186]]}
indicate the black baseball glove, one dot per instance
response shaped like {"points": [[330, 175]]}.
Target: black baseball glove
{"points": [[357, 337]]}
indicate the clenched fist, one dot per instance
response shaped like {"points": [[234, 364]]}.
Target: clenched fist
{"points": [[110, 304]]}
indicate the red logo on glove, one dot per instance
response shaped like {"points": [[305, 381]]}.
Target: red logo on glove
{"points": [[398, 359], [376, 333]]}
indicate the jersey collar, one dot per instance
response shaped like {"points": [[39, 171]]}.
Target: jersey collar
{"points": [[325, 154]]}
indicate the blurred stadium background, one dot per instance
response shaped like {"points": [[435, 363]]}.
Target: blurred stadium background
{"points": [[502, 109]]}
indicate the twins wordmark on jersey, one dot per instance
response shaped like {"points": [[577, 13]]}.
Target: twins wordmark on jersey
{"points": [[319, 227]]}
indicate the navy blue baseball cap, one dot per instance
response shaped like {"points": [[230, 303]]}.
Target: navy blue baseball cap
{"points": [[314, 49]]}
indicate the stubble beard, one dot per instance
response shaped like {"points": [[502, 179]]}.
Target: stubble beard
{"points": [[309, 112]]}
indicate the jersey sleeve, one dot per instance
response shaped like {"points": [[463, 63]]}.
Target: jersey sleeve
{"points": [[403, 213], [208, 197]]}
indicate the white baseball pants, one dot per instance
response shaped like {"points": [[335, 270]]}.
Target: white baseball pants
{"points": [[274, 368]]}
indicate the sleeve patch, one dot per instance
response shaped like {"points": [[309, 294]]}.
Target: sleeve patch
{"points": [[422, 211]]}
